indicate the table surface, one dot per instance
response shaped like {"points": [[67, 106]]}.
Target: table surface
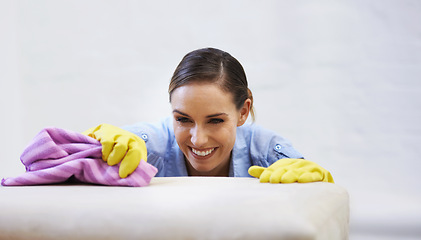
{"points": [[176, 208]]}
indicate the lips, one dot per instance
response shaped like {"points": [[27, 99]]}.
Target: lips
{"points": [[202, 153]]}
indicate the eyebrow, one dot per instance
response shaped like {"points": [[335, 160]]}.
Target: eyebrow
{"points": [[209, 116]]}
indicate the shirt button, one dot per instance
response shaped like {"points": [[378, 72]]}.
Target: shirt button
{"points": [[144, 136], [278, 148]]}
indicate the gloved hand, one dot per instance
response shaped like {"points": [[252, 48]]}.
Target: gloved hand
{"points": [[289, 170], [119, 146]]}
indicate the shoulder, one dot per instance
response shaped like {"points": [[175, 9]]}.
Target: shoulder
{"points": [[157, 136], [154, 130], [266, 146]]}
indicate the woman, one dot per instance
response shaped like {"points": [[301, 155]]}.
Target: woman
{"points": [[207, 134]]}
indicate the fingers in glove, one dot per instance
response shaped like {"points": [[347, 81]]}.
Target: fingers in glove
{"points": [[119, 150], [276, 176], [310, 177], [107, 147], [130, 162], [265, 176], [290, 176], [328, 178], [256, 171]]}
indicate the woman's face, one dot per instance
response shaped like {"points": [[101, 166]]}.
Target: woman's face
{"points": [[205, 123]]}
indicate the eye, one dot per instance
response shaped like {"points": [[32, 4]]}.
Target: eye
{"points": [[182, 119], [216, 120]]}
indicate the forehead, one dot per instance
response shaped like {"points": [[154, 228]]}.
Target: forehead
{"points": [[201, 96]]}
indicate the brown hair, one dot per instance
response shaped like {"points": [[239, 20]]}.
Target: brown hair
{"points": [[214, 66]]}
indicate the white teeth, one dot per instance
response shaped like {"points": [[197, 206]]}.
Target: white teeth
{"points": [[203, 153]]}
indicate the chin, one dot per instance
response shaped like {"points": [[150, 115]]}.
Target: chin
{"points": [[203, 169]]}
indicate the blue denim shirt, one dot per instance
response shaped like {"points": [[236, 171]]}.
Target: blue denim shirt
{"points": [[254, 145]]}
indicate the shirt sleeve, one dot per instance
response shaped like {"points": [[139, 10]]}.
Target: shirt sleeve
{"points": [[267, 147]]}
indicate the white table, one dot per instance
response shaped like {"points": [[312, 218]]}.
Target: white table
{"points": [[176, 208]]}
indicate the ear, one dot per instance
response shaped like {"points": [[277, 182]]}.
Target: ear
{"points": [[244, 112]]}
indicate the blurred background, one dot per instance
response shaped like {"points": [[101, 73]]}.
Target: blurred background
{"points": [[340, 79]]}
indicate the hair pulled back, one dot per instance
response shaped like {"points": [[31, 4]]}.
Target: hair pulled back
{"points": [[211, 65]]}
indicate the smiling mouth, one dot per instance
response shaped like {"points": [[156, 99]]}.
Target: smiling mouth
{"points": [[202, 153]]}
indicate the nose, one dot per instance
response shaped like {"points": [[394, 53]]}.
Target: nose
{"points": [[199, 136]]}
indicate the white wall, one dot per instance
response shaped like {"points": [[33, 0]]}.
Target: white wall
{"points": [[341, 79]]}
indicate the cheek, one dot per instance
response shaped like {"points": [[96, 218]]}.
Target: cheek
{"points": [[180, 134], [226, 136]]}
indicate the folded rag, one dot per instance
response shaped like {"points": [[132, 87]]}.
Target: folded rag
{"points": [[55, 155]]}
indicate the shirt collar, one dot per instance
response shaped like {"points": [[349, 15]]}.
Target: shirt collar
{"points": [[240, 160]]}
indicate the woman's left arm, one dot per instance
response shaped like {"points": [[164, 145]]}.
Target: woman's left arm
{"points": [[277, 161]]}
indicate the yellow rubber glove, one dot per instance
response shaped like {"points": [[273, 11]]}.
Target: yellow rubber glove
{"points": [[289, 170], [119, 146]]}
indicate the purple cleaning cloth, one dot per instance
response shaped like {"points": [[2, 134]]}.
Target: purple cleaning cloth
{"points": [[55, 155]]}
